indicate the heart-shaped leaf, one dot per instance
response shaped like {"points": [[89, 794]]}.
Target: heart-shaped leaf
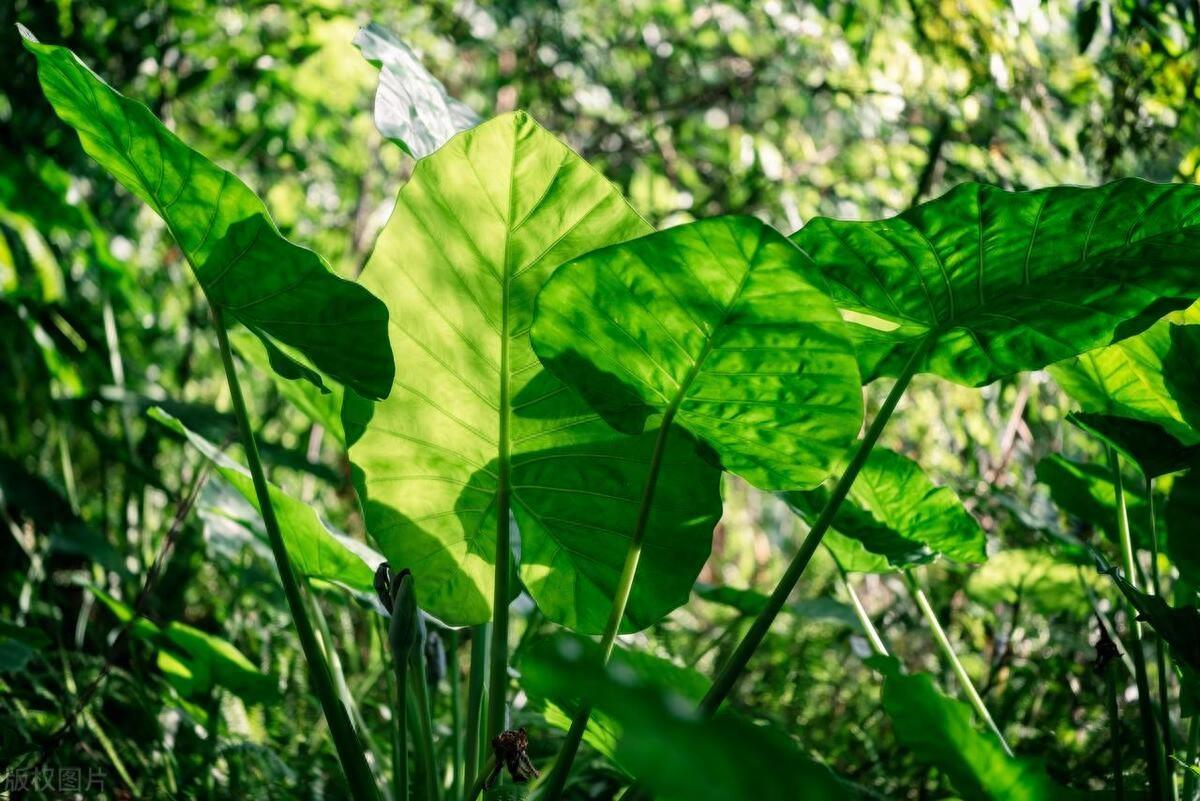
{"points": [[475, 429], [282, 292], [714, 326], [940, 731], [894, 517], [412, 107], [1010, 281]]}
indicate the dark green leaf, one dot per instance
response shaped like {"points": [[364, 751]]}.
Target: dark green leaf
{"points": [[664, 743], [1010, 281], [1149, 446], [716, 326], [282, 292], [941, 731], [474, 419]]}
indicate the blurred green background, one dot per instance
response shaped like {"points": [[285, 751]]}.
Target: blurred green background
{"points": [[784, 110]]}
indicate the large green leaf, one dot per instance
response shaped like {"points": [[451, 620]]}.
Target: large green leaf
{"points": [[412, 107], [1179, 626], [282, 292], [940, 731], [1139, 377], [1010, 281], [894, 517], [474, 422], [314, 550], [1086, 491], [665, 744], [195, 661], [715, 326]]}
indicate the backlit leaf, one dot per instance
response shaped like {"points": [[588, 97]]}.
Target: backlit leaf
{"points": [[717, 327], [474, 421]]}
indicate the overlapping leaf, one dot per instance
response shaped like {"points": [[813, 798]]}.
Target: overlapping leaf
{"points": [[894, 517], [412, 108], [666, 744], [474, 424], [1148, 445], [1010, 281], [1183, 526], [282, 292], [715, 326]]}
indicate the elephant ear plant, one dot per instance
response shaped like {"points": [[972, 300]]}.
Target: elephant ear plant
{"points": [[310, 320], [572, 384]]}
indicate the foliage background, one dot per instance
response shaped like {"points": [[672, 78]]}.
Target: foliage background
{"points": [[782, 110]]}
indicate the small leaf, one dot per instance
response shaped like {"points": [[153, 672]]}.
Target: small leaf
{"points": [[282, 292], [412, 107], [894, 517], [718, 327], [1087, 20], [1010, 281]]}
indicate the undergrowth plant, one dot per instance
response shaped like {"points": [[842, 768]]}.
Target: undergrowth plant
{"points": [[538, 395]]}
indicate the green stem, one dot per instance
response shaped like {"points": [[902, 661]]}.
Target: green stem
{"points": [[1160, 659], [420, 689], [1189, 775], [345, 740], [475, 701], [1154, 766], [497, 699], [861, 612], [732, 671], [400, 732], [570, 747], [456, 747], [959, 671], [1114, 724], [477, 785]]}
